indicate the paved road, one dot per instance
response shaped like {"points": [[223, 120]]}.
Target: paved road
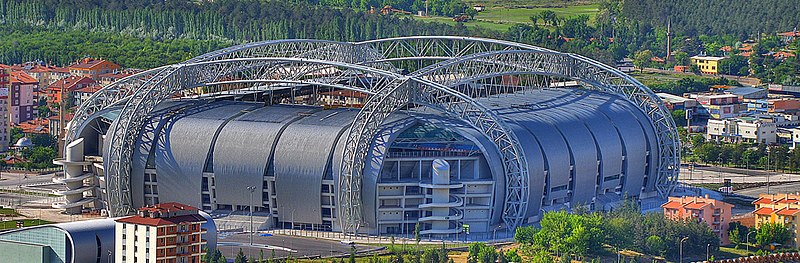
{"points": [[782, 188], [16, 179], [716, 175], [299, 246]]}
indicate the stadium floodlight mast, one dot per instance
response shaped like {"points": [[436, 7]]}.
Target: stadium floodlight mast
{"points": [[398, 72]]}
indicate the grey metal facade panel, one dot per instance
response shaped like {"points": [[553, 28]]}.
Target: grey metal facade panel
{"points": [[584, 154], [182, 156], [608, 137], [302, 154], [536, 172], [243, 148], [652, 145], [142, 151], [635, 145]]}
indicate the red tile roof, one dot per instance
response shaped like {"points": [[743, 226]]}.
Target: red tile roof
{"points": [[696, 205], [764, 211], [762, 200], [788, 211], [193, 218], [790, 34], [672, 205], [22, 78], [168, 207], [89, 89], [69, 83]]}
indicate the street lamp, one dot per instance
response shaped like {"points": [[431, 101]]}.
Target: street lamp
{"points": [[681, 245], [251, 189], [707, 248], [747, 241]]}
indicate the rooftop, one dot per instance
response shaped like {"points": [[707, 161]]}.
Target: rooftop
{"points": [[708, 58]]}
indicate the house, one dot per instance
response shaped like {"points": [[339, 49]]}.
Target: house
{"points": [[743, 129], [89, 67], [20, 97], [719, 106], [780, 208], [680, 68], [67, 85], [54, 124], [108, 78], [343, 97], [674, 102], [706, 64], [783, 105], [716, 214], [747, 92], [479, 7], [82, 95], [790, 36]]}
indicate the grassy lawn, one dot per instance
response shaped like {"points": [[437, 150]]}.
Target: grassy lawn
{"points": [[26, 222], [8, 212], [522, 15], [501, 18]]}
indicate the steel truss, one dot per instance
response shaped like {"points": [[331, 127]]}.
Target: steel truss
{"points": [[397, 73]]}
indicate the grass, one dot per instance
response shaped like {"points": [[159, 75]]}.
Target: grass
{"points": [[25, 222], [25, 192], [501, 18], [523, 15], [8, 212]]}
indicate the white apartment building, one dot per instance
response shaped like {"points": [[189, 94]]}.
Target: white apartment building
{"points": [[744, 129]]}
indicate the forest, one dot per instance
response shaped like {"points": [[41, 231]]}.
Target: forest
{"points": [[149, 33], [62, 31], [718, 17]]}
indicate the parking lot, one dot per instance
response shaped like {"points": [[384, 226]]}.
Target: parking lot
{"points": [[229, 245]]}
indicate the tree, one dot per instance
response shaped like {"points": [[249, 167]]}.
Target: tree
{"points": [[352, 258], [471, 12], [679, 116], [734, 65], [642, 59], [682, 58], [240, 257], [655, 245], [512, 255], [770, 233]]}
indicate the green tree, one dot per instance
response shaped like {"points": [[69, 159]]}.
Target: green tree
{"points": [[679, 116], [240, 257], [655, 245], [642, 59], [770, 233]]}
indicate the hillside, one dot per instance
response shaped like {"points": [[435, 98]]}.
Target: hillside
{"points": [[718, 17]]}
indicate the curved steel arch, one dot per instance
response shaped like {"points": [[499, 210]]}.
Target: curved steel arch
{"points": [[118, 92], [571, 66], [407, 90], [123, 134]]}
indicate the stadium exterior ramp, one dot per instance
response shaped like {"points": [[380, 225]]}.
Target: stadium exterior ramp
{"points": [[522, 129]]}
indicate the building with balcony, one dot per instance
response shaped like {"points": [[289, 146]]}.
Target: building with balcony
{"points": [[163, 233], [782, 209], [20, 96], [715, 213]]}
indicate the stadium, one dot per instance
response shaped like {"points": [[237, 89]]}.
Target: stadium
{"points": [[373, 137]]}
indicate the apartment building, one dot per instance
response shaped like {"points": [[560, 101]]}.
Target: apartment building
{"points": [[715, 213], [707, 65], [743, 129], [92, 68], [5, 73], [20, 96], [162, 233], [779, 208]]}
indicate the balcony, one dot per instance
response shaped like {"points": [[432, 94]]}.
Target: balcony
{"points": [[441, 218], [454, 202], [441, 186]]}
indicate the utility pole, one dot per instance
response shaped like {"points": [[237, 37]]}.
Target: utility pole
{"points": [[251, 189]]}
